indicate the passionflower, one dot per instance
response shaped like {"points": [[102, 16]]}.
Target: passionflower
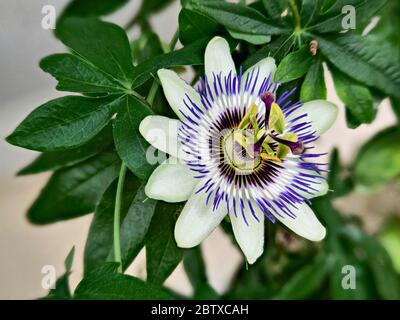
{"points": [[240, 150]]}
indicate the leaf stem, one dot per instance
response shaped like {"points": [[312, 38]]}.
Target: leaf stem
{"points": [[122, 174], [117, 217], [296, 14]]}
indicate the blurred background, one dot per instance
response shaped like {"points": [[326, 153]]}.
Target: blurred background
{"points": [[25, 249]]}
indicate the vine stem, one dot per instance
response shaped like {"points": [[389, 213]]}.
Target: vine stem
{"points": [[122, 174], [296, 14], [117, 216]]}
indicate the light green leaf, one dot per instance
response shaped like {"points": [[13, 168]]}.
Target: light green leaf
{"points": [[379, 159], [59, 159], [74, 191], [130, 144], [251, 38], [294, 65], [162, 252], [64, 123], [236, 17], [313, 87]]}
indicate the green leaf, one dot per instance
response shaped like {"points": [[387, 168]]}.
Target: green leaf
{"points": [[162, 252], [310, 9], [194, 25], [77, 75], [130, 144], [385, 276], [90, 8], [59, 159], [378, 161], [236, 17], [136, 213], [192, 54], [64, 123], [105, 284], [313, 87], [196, 271], [62, 290], [395, 102], [102, 44], [251, 38], [362, 60], [305, 281], [331, 20], [74, 191], [389, 238], [147, 45], [294, 65], [135, 226], [339, 184], [153, 6], [275, 8], [356, 97], [99, 242]]}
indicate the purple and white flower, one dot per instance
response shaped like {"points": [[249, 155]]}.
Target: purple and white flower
{"points": [[244, 152]]}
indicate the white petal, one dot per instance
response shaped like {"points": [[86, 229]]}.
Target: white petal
{"points": [[175, 90], [250, 237], [264, 67], [322, 114], [321, 186], [218, 59], [305, 224], [162, 133], [171, 181], [197, 220]]}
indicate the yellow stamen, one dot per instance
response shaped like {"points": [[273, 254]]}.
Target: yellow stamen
{"points": [[246, 119]]}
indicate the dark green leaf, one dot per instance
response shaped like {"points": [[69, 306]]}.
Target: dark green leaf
{"points": [[153, 6], [339, 184], [130, 144], [251, 38], [275, 8], [395, 102], [331, 20], [77, 75], [294, 65], [146, 46], [236, 17], [194, 25], [74, 191], [135, 226], [162, 253], [362, 60], [90, 8], [305, 281], [59, 159], [379, 159], [192, 54], [356, 97], [313, 87], [381, 265], [99, 242], [62, 290], [64, 123], [310, 9], [102, 44], [105, 284]]}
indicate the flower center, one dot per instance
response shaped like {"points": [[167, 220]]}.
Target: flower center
{"points": [[250, 143]]}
